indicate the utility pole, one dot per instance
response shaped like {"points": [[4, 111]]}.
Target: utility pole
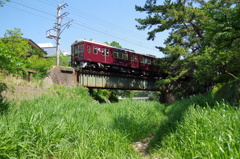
{"points": [[57, 29]]}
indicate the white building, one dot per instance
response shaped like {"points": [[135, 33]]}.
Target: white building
{"points": [[51, 49]]}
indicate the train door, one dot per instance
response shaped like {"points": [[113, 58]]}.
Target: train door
{"points": [[134, 61], [106, 55], [88, 54]]}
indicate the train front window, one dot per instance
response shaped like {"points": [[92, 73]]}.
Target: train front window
{"points": [[76, 49]]}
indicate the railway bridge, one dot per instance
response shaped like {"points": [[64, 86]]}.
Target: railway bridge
{"points": [[92, 79], [72, 77]]}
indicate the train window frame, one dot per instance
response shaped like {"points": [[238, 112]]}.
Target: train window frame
{"points": [[125, 56], [80, 49], [89, 49], [147, 60], [76, 49], [95, 50], [134, 58], [120, 55], [103, 51], [115, 54]]}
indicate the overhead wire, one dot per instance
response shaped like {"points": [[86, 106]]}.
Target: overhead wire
{"points": [[28, 12], [100, 21], [116, 37], [76, 22]]}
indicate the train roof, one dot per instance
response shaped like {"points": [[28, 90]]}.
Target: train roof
{"points": [[104, 44], [92, 41]]}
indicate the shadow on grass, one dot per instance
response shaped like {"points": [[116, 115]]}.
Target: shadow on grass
{"points": [[4, 106], [129, 127], [175, 114]]}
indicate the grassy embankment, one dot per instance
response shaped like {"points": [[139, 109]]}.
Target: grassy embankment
{"points": [[72, 125]]}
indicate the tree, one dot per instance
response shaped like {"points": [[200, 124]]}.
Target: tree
{"points": [[15, 43], [13, 51], [196, 27], [16, 55], [114, 43], [2, 2], [220, 56]]}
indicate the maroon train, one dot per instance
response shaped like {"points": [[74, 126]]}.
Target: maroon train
{"points": [[100, 56]]}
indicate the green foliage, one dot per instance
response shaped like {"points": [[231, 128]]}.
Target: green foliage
{"points": [[13, 51], [204, 133], [9, 61], [15, 43], [2, 2], [230, 92], [17, 55], [114, 43], [4, 105], [39, 64], [64, 60], [43, 64], [154, 96], [125, 93], [72, 125], [203, 41], [104, 95]]}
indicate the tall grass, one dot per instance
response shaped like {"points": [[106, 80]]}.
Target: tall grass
{"points": [[72, 125], [200, 131]]}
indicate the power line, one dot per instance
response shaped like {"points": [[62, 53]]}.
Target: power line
{"points": [[90, 28], [28, 12], [33, 8], [102, 22]]}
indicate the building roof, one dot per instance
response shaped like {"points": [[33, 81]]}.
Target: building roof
{"points": [[32, 43]]}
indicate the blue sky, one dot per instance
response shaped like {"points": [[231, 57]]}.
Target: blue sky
{"points": [[100, 20]]}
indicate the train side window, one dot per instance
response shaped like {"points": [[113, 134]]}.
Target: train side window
{"points": [[141, 59], [120, 55], [125, 56], [107, 52], [89, 49], [147, 61], [134, 58], [95, 51], [115, 54], [103, 51]]}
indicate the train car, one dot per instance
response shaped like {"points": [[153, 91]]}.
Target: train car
{"points": [[100, 56]]}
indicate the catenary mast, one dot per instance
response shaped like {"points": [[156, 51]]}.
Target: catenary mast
{"points": [[57, 29]]}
